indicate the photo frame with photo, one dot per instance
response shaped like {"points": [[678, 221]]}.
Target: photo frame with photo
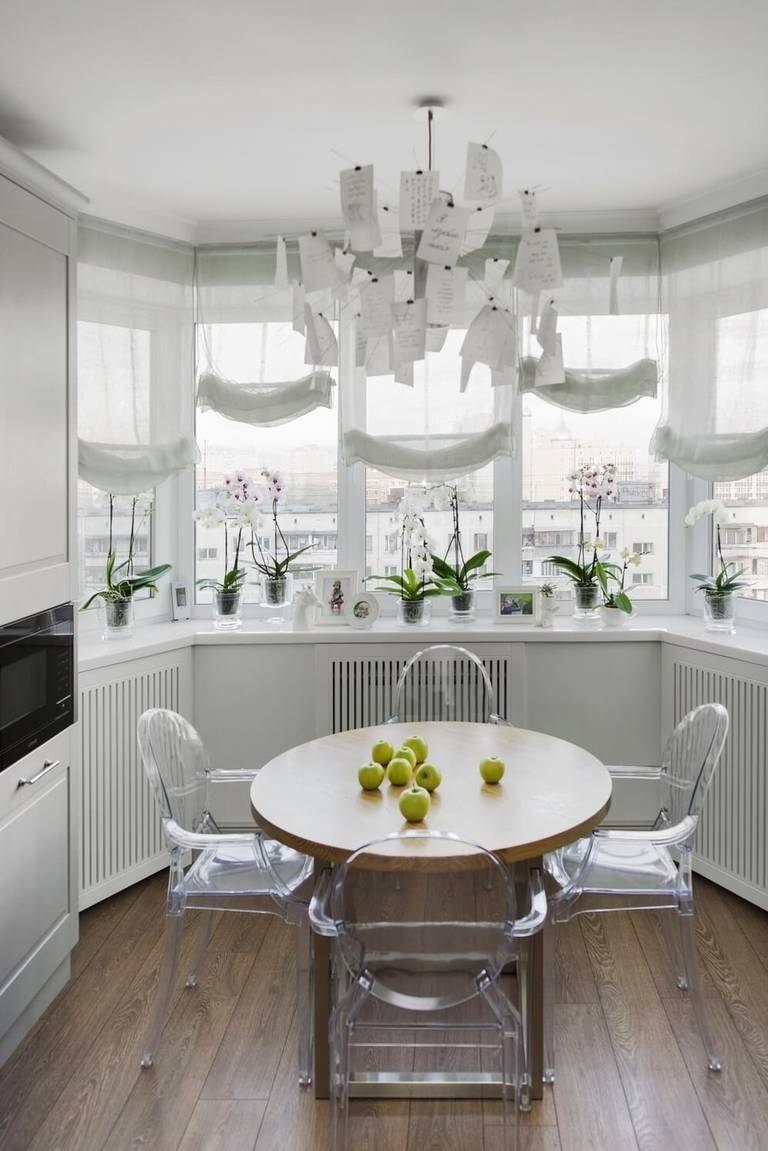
{"points": [[335, 589], [364, 610], [180, 602], [517, 604]]}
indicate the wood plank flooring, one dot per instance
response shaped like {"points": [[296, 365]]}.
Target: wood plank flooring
{"points": [[631, 1068]]}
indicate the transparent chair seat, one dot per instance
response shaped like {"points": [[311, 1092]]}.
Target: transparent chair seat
{"points": [[239, 869], [612, 866]]}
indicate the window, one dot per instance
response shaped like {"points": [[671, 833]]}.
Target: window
{"points": [[480, 541], [207, 553], [304, 450], [643, 549], [556, 441], [369, 543], [93, 535], [642, 579], [745, 536]]}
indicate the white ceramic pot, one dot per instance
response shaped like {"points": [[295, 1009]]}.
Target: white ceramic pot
{"points": [[613, 617]]}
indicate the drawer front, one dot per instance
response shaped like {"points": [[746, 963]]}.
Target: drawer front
{"points": [[15, 794]]}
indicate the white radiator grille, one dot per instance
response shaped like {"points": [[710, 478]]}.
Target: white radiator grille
{"points": [[732, 833], [120, 837], [363, 690]]}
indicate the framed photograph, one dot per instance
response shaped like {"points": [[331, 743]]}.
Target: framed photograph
{"points": [[180, 604], [517, 604], [335, 590], [364, 610]]}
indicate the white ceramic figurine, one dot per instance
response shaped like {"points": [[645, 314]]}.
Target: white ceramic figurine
{"points": [[304, 603]]}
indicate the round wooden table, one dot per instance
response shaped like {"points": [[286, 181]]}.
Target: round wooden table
{"points": [[552, 793]]}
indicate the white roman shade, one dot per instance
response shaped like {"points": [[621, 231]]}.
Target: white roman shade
{"points": [[595, 391], [267, 404]]}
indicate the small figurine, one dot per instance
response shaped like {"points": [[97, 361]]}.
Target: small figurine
{"points": [[304, 603], [548, 609]]}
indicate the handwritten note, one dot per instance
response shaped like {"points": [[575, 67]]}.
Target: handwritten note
{"points": [[376, 296], [417, 191], [297, 307], [436, 338], [549, 369], [446, 290], [344, 262], [379, 357], [321, 348], [403, 278], [281, 265], [391, 246], [483, 179], [443, 233], [529, 210], [495, 271], [361, 344], [537, 266], [486, 337], [410, 330], [478, 226], [358, 206], [318, 268], [404, 374], [613, 285], [546, 333]]}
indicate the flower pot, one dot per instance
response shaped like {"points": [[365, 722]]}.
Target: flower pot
{"points": [[414, 612], [277, 592], [118, 618], [463, 607], [586, 599], [226, 610], [719, 610], [613, 616]]}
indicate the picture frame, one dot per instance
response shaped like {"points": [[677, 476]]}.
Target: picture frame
{"points": [[180, 602], [517, 605], [364, 610], [335, 589]]}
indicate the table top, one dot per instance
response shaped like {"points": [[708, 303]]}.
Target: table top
{"points": [[552, 792]]}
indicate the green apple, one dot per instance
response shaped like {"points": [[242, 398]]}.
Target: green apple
{"points": [[414, 804], [382, 752], [492, 769], [399, 771], [428, 777], [370, 776], [418, 746], [407, 753]]}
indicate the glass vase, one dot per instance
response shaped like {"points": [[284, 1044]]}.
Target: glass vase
{"points": [[118, 618], [719, 611], [586, 602], [463, 607], [414, 612], [227, 606], [277, 592]]}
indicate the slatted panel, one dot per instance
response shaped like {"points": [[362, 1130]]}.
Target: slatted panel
{"points": [[120, 833], [732, 834], [363, 690]]}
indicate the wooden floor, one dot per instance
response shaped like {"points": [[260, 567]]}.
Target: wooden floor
{"points": [[631, 1069]]}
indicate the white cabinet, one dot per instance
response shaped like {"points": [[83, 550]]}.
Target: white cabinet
{"points": [[38, 884]]}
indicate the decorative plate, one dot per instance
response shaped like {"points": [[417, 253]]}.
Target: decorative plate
{"points": [[363, 610]]}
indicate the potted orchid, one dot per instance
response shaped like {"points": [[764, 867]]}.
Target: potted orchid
{"points": [[275, 569], [592, 484], [236, 507], [121, 581], [617, 606], [414, 586], [453, 574], [719, 589]]}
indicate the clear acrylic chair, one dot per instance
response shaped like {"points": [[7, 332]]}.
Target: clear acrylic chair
{"points": [[617, 869], [444, 682], [244, 872], [418, 970]]}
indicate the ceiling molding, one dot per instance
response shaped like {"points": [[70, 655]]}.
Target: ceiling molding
{"points": [[687, 208], [36, 178]]}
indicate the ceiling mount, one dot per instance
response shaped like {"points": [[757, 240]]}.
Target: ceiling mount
{"points": [[426, 104]]}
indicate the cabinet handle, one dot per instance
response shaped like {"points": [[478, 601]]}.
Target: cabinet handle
{"points": [[48, 765]]}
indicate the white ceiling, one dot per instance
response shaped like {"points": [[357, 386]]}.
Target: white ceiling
{"points": [[192, 115]]}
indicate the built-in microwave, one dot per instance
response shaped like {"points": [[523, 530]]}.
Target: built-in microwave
{"points": [[36, 681]]}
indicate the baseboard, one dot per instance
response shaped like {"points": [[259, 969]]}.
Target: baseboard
{"points": [[125, 879], [748, 891]]}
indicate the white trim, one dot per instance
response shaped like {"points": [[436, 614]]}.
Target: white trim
{"points": [[734, 194], [46, 185]]}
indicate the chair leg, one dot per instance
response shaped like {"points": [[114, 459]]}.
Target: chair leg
{"points": [[198, 958], [305, 1006], [670, 924], [340, 1028], [688, 939], [549, 944], [523, 1081], [174, 927]]}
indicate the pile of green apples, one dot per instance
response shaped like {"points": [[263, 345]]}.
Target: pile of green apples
{"points": [[406, 766]]}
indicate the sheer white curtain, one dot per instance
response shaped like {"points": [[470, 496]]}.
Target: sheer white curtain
{"points": [[716, 292], [135, 359]]}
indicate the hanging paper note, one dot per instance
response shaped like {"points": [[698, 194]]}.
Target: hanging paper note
{"points": [[321, 348], [485, 341], [344, 261], [613, 285], [446, 289], [410, 330], [443, 233], [537, 267], [546, 332], [417, 191], [549, 369], [509, 357], [297, 303], [379, 358], [391, 246], [483, 179], [318, 268], [404, 374], [281, 265], [403, 279], [436, 338], [495, 270], [376, 296], [361, 344], [479, 225], [529, 209], [358, 207]]}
